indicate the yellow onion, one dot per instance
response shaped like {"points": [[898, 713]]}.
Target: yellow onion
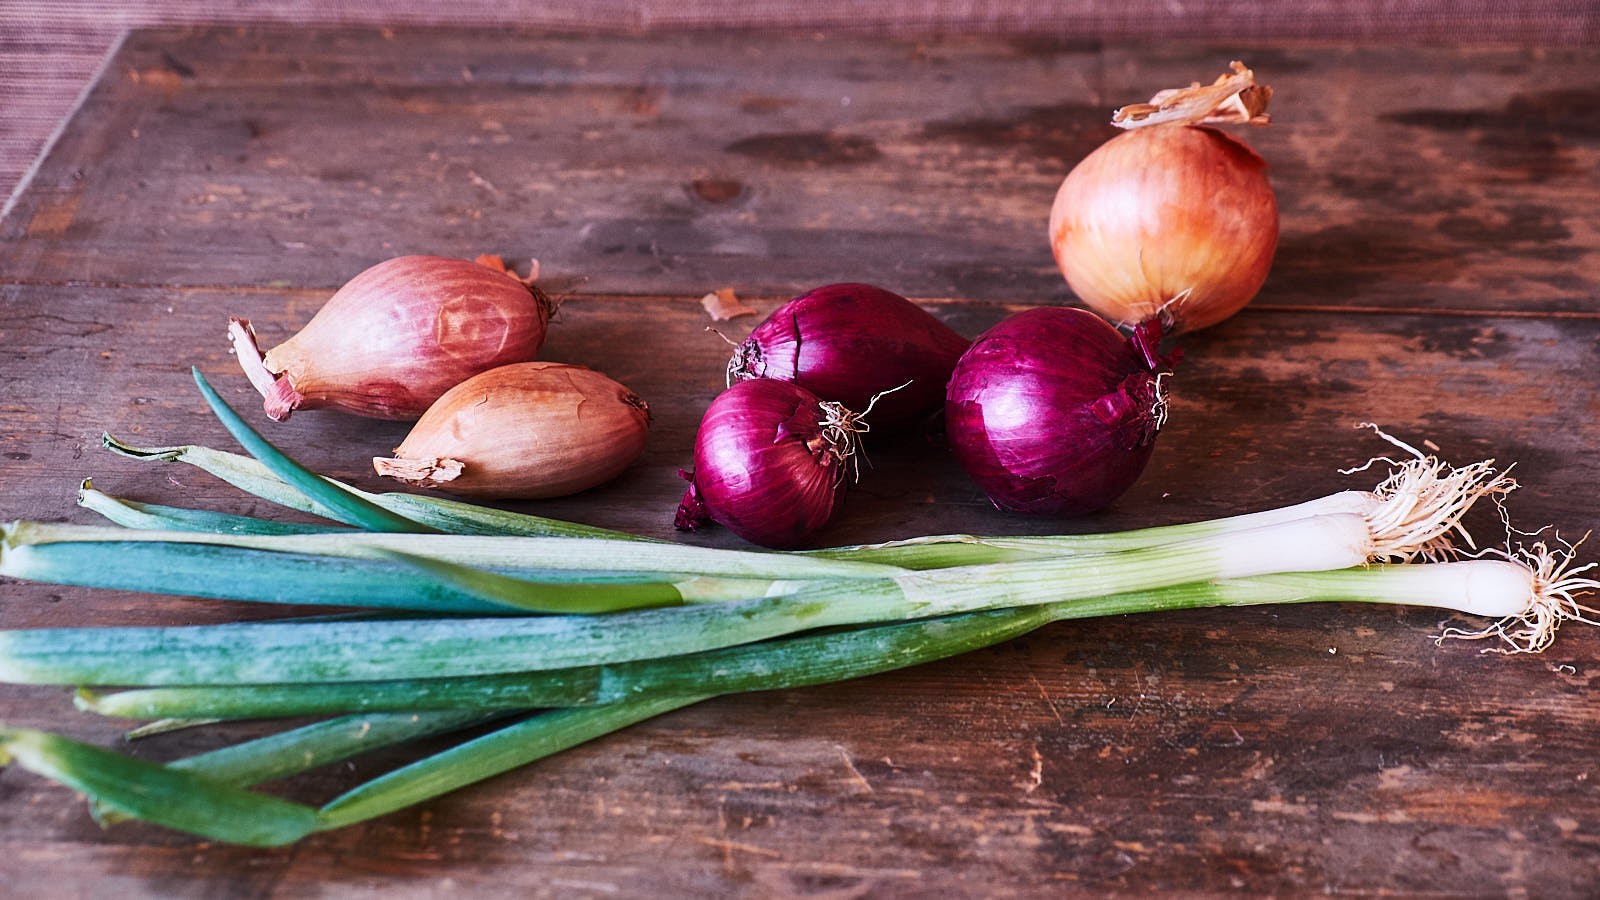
{"points": [[1173, 219], [396, 337], [524, 431]]}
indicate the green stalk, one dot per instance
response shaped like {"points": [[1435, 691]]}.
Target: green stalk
{"points": [[376, 651], [170, 797], [269, 653], [288, 753], [457, 517], [439, 513], [279, 756], [542, 558], [351, 508], [196, 797], [155, 517], [950, 550], [204, 805], [207, 567], [817, 658], [493, 754]]}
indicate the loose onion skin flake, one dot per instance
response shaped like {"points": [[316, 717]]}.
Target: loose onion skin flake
{"points": [[1173, 218], [851, 343], [771, 463], [396, 337], [526, 431], [1053, 412]]}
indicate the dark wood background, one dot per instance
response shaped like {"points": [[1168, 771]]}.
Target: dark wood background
{"points": [[52, 50], [1437, 274]]}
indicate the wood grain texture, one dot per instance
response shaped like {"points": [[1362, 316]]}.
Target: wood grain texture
{"points": [[248, 157], [1268, 752], [49, 48]]}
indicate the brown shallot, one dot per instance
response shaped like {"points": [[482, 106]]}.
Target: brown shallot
{"points": [[396, 337], [525, 431]]}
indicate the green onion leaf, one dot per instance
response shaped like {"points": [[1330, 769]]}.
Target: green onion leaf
{"points": [[440, 513], [155, 517], [354, 509], [493, 754], [534, 596], [160, 794], [817, 658]]}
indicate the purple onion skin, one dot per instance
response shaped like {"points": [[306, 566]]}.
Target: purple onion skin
{"points": [[850, 342], [762, 467], [1053, 412]]}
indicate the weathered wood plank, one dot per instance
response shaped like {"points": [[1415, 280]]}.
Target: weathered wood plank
{"points": [[1269, 390], [1231, 718], [1258, 751], [677, 163], [1135, 755]]}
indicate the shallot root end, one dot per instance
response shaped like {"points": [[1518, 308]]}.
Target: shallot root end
{"points": [[426, 472], [279, 396]]}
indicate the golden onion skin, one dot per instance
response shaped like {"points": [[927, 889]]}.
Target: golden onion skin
{"points": [[526, 431], [1172, 220]]}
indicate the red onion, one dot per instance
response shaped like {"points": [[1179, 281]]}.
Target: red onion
{"points": [[770, 463], [396, 337], [1171, 219], [1054, 412], [851, 343]]}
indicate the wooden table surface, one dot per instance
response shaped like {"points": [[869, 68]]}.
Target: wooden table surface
{"points": [[1437, 274]]}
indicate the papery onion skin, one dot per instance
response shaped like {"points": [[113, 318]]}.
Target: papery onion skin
{"points": [[1054, 413], [850, 342], [1176, 221], [765, 465], [526, 431], [393, 339]]}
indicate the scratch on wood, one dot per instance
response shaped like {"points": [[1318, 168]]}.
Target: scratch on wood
{"points": [[859, 778], [1393, 817], [53, 217], [722, 829], [1045, 695], [589, 887], [1036, 774], [1281, 807], [752, 785], [729, 846]]}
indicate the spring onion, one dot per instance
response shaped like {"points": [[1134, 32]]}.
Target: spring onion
{"points": [[154, 793], [749, 620], [1418, 486], [367, 515], [289, 753], [1495, 587], [379, 650], [439, 513], [202, 796], [204, 566], [158, 517], [192, 800]]}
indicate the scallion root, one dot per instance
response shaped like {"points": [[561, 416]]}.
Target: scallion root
{"points": [[1556, 588], [1423, 501]]}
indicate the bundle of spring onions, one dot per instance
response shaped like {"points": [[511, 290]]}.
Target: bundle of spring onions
{"points": [[540, 634]]}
